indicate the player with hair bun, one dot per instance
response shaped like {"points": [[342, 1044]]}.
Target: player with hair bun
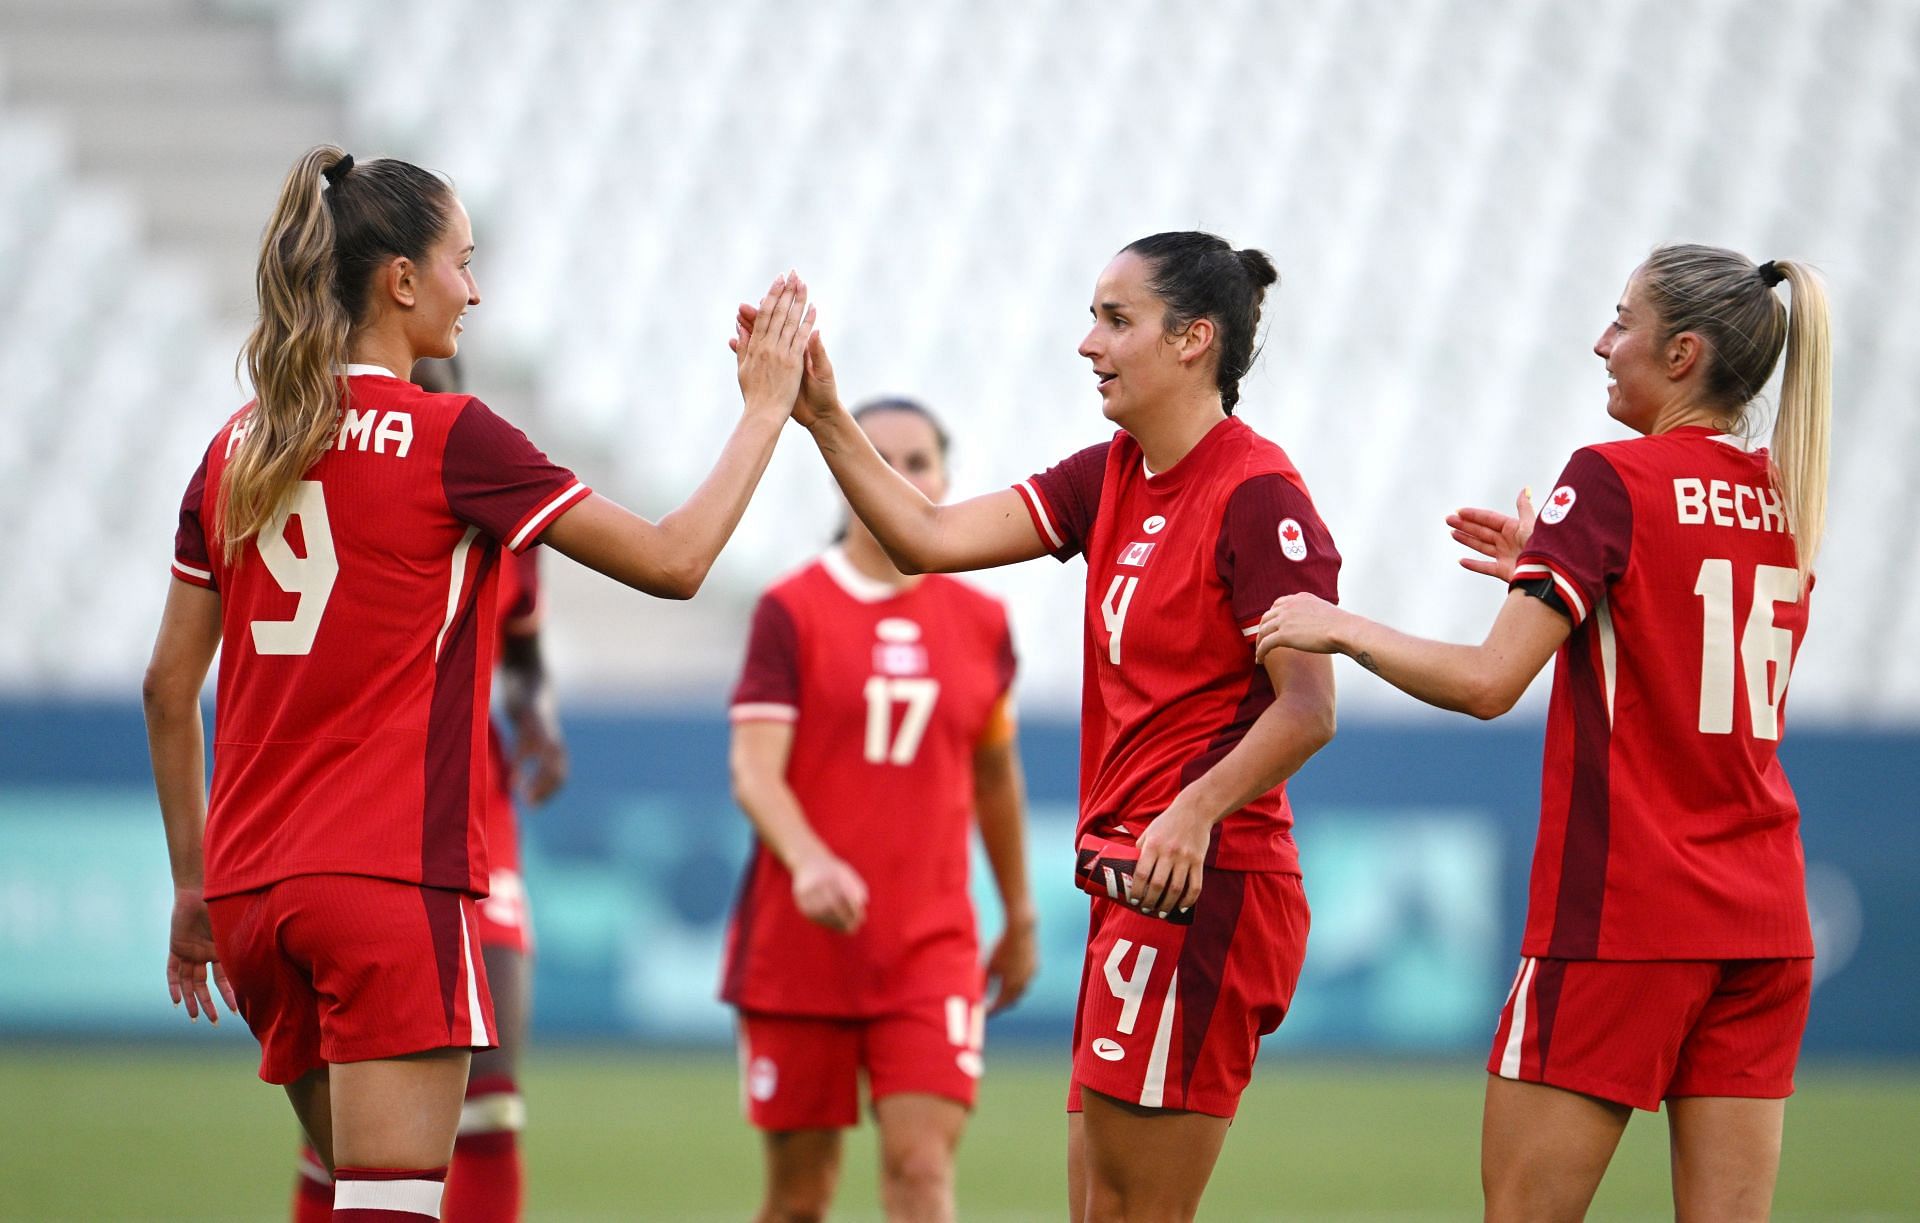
{"points": [[1668, 950], [340, 545], [1191, 524]]}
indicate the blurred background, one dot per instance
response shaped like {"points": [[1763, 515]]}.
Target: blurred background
{"points": [[1454, 192]]}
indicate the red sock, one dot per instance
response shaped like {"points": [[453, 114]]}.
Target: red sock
{"points": [[484, 1182], [312, 1190], [387, 1195]]}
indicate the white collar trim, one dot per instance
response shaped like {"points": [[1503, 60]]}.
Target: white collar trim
{"points": [[858, 585], [357, 369]]}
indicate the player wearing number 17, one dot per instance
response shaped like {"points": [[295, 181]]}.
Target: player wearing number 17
{"points": [[341, 545], [1667, 947]]}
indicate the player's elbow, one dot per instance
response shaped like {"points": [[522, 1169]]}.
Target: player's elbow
{"points": [[1489, 697], [679, 580], [164, 694]]}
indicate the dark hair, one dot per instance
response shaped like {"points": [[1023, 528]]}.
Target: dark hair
{"points": [[334, 223], [900, 403], [1199, 275]]}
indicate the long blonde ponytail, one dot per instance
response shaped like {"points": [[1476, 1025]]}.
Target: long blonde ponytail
{"points": [[1722, 296], [293, 356], [1804, 424]]}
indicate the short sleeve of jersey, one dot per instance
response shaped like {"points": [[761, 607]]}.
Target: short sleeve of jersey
{"points": [[497, 480], [1582, 535], [769, 687], [191, 560], [521, 616], [1063, 500], [1272, 543]]}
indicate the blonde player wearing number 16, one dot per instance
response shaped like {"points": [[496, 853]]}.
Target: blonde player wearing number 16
{"points": [[1668, 953]]}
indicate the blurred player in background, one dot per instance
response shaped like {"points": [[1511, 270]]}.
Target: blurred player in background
{"points": [[485, 1182], [1668, 951], [873, 719], [1191, 524], [340, 545]]}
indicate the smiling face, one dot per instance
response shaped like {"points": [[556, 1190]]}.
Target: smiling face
{"points": [[1137, 363], [443, 289], [1641, 360]]}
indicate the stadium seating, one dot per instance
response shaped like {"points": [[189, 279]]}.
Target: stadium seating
{"points": [[1453, 194]]}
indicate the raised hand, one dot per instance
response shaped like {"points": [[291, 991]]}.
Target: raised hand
{"points": [[1297, 622], [1498, 537], [830, 892], [819, 393], [189, 953], [770, 348]]}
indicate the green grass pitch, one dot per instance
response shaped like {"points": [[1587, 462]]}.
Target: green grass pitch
{"points": [[117, 1133]]}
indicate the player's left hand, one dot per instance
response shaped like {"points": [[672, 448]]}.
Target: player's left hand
{"points": [[190, 953], [1015, 958], [540, 760], [1298, 622], [1173, 855]]}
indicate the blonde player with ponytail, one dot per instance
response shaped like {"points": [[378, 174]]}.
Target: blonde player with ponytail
{"points": [[1668, 951], [340, 545]]}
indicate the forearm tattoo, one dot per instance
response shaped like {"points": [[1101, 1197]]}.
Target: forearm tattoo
{"points": [[1366, 660]]}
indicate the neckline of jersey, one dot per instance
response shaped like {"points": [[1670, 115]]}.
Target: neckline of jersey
{"points": [[1173, 475], [859, 587], [1709, 432], [358, 369]]}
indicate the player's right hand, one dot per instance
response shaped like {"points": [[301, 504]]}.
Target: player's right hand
{"points": [[770, 347], [189, 954], [819, 393], [830, 892], [1498, 537]]}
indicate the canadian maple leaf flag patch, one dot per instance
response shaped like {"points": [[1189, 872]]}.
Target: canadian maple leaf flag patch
{"points": [[1559, 505], [1293, 541]]}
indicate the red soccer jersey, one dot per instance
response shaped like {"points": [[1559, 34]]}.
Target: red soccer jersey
{"points": [[1667, 828], [889, 693], [1180, 567], [357, 642]]}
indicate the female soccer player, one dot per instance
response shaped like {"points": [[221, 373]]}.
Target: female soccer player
{"points": [[873, 719], [1191, 524], [340, 545], [1667, 949], [485, 1181]]}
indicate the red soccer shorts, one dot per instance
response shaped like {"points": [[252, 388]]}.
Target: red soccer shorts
{"points": [[346, 968], [1171, 1016], [801, 1072], [1642, 1031]]}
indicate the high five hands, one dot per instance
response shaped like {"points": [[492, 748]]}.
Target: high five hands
{"points": [[770, 358], [819, 396]]}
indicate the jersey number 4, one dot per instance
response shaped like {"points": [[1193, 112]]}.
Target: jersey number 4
{"points": [[1763, 644], [885, 745], [311, 577]]}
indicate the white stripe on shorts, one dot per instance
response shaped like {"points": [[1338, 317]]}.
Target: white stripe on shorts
{"points": [[476, 1018], [1517, 1031], [1154, 1090]]}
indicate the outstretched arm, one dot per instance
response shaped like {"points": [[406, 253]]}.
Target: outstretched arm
{"points": [[919, 536], [1484, 680], [672, 557]]}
